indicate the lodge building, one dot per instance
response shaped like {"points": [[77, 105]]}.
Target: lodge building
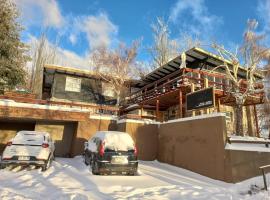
{"points": [[156, 112]]}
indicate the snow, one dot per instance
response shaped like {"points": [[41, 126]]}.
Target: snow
{"points": [[247, 147], [196, 117], [38, 106], [118, 141], [71, 179], [248, 139], [29, 137]]}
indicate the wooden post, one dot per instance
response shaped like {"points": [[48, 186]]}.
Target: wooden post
{"points": [[256, 121], [206, 85], [192, 90], [141, 111], [157, 110], [264, 179], [180, 103], [218, 104]]}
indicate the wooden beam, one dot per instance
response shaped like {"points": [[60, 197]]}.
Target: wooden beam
{"points": [[206, 85], [218, 104], [193, 90]]}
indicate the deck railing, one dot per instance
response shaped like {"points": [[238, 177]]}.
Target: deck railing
{"points": [[184, 78]]}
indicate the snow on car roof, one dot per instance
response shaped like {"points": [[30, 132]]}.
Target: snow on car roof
{"points": [[116, 140], [36, 133]]}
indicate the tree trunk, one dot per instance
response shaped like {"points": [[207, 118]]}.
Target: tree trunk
{"points": [[239, 100], [239, 120]]}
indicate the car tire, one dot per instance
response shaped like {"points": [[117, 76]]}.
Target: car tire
{"points": [[95, 170], [2, 166], [47, 164], [84, 160]]}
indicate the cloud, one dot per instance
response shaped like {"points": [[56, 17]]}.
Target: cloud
{"points": [[200, 20], [63, 56], [99, 30], [45, 12], [263, 11], [72, 38]]}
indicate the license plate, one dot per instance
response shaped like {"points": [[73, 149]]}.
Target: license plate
{"points": [[23, 158], [119, 160]]}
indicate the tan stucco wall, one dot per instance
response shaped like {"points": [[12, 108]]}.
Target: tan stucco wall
{"points": [[86, 129], [145, 136], [197, 145], [8, 130], [62, 134], [245, 164]]}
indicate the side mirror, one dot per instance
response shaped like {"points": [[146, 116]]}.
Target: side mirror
{"points": [[85, 145]]}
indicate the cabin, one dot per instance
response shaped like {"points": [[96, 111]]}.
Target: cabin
{"points": [[182, 114]]}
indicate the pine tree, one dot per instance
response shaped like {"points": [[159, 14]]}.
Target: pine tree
{"points": [[12, 50]]}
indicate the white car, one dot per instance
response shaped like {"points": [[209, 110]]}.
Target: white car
{"points": [[29, 148]]}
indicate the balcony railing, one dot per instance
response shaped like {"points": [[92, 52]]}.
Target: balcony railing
{"points": [[183, 79]]}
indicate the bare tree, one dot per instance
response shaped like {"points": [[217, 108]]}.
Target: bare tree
{"points": [[116, 67], [252, 53], [42, 52], [164, 48]]}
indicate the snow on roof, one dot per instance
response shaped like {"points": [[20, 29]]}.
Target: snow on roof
{"points": [[12, 103], [116, 140]]}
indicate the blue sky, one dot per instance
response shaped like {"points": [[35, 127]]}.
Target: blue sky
{"points": [[82, 25]]}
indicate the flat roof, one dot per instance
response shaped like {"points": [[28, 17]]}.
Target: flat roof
{"points": [[193, 54], [67, 70]]}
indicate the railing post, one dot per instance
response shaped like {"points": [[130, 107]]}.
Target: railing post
{"points": [[192, 90], [157, 110], [264, 179], [180, 103]]}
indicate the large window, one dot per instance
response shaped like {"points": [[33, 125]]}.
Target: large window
{"points": [[73, 84]]}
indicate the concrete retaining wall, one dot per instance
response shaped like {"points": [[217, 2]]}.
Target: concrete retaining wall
{"points": [[145, 136]]}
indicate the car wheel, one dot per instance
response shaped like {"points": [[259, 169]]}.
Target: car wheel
{"points": [[84, 159], [2, 166], [46, 164], [95, 170]]}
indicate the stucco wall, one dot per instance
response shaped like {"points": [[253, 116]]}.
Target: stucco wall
{"points": [[245, 164], [145, 136], [62, 134], [195, 144], [86, 129]]}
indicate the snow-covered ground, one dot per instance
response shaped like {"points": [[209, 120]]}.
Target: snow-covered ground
{"points": [[71, 179]]}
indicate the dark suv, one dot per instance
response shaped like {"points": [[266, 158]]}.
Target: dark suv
{"points": [[111, 152]]}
